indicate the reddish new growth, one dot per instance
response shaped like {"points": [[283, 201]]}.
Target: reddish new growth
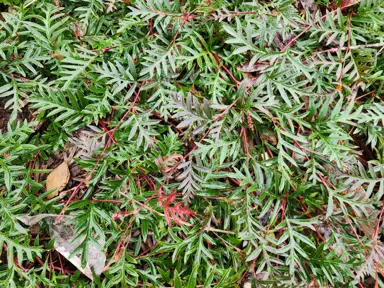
{"points": [[177, 212]]}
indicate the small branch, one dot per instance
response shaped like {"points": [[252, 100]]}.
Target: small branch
{"points": [[142, 205], [225, 69], [107, 49], [219, 231], [293, 40], [158, 116], [56, 268], [105, 128], [366, 94], [20, 77], [89, 176], [355, 232], [333, 50], [151, 209], [221, 115], [97, 201], [378, 225], [19, 265], [165, 14], [226, 242], [181, 161], [120, 246]]}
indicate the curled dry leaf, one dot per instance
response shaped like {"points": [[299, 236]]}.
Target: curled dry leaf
{"points": [[269, 137], [314, 284], [309, 5], [345, 3], [256, 67], [166, 163], [57, 179]]}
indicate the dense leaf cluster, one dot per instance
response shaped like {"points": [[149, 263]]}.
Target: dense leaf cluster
{"points": [[211, 143]]}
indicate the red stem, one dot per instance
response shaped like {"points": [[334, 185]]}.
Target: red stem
{"points": [[311, 25], [378, 225], [181, 161], [369, 93], [75, 189], [105, 128], [55, 268], [225, 69]]}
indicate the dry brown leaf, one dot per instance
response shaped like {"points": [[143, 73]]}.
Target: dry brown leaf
{"points": [[57, 179], [258, 66], [309, 5], [345, 3], [269, 137], [66, 242], [167, 162], [313, 284]]}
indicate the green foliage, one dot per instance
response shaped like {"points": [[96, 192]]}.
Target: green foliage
{"points": [[210, 143]]}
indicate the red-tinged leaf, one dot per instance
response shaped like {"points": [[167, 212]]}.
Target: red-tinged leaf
{"points": [[167, 218], [170, 199], [177, 213]]}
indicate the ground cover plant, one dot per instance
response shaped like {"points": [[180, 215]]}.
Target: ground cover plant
{"points": [[198, 143]]}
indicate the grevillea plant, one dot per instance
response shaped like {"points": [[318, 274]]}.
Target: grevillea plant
{"points": [[210, 143]]}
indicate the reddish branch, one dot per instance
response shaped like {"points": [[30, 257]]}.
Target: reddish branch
{"points": [[86, 179], [293, 40], [367, 94], [63, 270], [149, 180], [225, 69], [105, 128], [107, 49], [185, 18], [340, 86], [378, 225], [20, 77], [97, 201], [121, 245], [336, 49], [221, 115], [19, 265], [119, 215], [181, 161]]}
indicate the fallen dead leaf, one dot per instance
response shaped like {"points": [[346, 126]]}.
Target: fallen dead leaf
{"points": [[166, 163], [269, 137], [66, 242], [258, 66], [313, 284], [57, 179], [310, 5], [345, 3]]}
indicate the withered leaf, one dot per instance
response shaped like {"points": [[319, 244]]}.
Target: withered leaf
{"points": [[258, 66], [269, 137], [57, 179], [167, 162]]}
